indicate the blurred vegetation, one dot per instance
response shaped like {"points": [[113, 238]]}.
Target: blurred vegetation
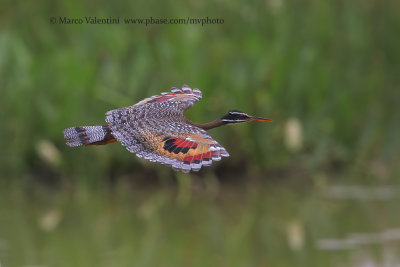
{"points": [[331, 65], [326, 72]]}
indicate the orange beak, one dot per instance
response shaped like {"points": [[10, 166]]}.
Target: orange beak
{"points": [[258, 119]]}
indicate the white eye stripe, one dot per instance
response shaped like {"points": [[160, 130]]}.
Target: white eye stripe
{"points": [[236, 113]]}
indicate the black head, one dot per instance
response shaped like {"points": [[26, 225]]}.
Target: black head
{"points": [[235, 116]]}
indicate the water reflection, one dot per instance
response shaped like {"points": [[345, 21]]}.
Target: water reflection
{"points": [[354, 240], [362, 248], [361, 192], [247, 226]]}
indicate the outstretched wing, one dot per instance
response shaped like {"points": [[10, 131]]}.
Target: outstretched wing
{"points": [[164, 105], [178, 99], [181, 149], [156, 129]]}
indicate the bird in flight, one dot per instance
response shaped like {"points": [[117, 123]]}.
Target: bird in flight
{"points": [[156, 129]]}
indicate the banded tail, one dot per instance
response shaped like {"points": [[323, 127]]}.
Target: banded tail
{"points": [[89, 135]]}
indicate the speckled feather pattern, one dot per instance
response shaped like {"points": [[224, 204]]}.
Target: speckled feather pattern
{"points": [[156, 129]]}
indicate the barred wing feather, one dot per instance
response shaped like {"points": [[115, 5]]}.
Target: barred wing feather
{"points": [[156, 129]]}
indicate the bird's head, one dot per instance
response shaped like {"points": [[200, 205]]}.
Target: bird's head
{"points": [[235, 116]]}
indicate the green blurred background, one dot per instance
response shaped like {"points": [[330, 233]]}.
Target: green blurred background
{"points": [[319, 186]]}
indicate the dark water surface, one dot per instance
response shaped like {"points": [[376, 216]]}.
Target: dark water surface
{"points": [[202, 224]]}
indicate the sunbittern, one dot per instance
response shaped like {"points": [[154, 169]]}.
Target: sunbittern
{"points": [[156, 129]]}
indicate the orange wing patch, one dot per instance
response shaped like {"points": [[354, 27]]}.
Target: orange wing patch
{"points": [[188, 152]]}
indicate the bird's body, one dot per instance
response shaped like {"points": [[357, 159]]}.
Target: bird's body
{"points": [[156, 129]]}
